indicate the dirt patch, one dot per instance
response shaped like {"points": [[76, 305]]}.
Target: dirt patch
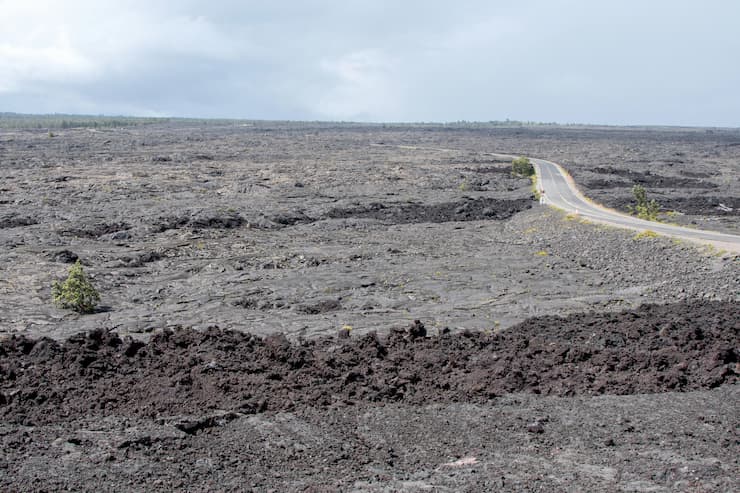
{"points": [[652, 349], [464, 210]]}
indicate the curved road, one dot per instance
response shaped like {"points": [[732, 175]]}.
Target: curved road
{"points": [[560, 191]]}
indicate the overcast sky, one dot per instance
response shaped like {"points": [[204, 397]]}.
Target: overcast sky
{"points": [[671, 62]]}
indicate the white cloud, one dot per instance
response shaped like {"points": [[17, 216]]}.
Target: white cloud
{"points": [[56, 59], [374, 59], [33, 48], [81, 41], [360, 86]]}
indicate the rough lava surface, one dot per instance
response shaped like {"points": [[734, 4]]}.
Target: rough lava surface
{"points": [[321, 307], [303, 228], [656, 348]]}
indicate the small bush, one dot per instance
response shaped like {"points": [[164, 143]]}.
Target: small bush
{"points": [[645, 234], [76, 293], [521, 166], [644, 208]]}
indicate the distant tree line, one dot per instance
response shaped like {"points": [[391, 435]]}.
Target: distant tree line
{"points": [[62, 121], [58, 121]]}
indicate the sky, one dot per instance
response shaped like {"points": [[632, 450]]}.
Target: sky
{"points": [[656, 62]]}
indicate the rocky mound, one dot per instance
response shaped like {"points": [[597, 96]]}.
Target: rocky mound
{"points": [[651, 349]]}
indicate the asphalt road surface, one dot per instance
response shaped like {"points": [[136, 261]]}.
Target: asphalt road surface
{"points": [[560, 191]]}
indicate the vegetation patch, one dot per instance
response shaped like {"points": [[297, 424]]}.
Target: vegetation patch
{"points": [[645, 234], [522, 166]]}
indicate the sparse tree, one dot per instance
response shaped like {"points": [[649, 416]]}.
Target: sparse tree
{"points": [[644, 208]]}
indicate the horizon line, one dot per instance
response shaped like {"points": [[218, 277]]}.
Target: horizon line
{"points": [[505, 122]]}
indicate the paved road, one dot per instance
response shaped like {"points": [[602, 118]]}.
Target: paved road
{"points": [[560, 191]]}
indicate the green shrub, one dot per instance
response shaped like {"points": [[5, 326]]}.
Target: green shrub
{"points": [[522, 166], [644, 208], [76, 293]]}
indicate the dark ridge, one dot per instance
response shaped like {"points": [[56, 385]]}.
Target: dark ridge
{"points": [[680, 347], [464, 210]]}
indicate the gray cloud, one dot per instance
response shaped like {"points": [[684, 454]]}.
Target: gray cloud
{"points": [[630, 62]]}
